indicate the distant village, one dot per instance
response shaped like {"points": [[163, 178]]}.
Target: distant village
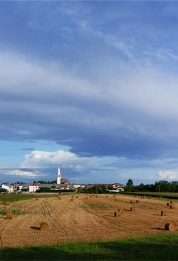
{"points": [[60, 185]]}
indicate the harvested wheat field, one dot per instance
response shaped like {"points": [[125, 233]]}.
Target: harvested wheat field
{"points": [[84, 218]]}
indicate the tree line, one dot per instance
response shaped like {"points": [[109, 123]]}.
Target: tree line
{"points": [[158, 186]]}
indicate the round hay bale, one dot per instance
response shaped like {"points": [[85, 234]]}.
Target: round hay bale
{"points": [[72, 199], [141, 197], [170, 226], [44, 226], [120, 210], [115, 214], [168, 204], [59, 198], [116, 199], [132, 208], [7, 203], [9, 215], [171, 202], [172, 206], [163, 213], [132, 201], [36, 199], [137, 201]]}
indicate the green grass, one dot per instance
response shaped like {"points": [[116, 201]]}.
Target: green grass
{"points": [[168, 195], [18, 197], [15, 212], [162, 247]]}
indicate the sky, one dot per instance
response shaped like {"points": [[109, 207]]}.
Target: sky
{"points": [[90, 87]]}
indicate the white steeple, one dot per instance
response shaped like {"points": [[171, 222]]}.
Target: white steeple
{"points": [[58, 176]]}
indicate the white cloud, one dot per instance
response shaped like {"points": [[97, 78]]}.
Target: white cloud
{"points": [[21, 173], [66, 159], [168, 175]]}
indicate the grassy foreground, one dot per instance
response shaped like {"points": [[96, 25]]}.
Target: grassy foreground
{"points": [[161, 247]]}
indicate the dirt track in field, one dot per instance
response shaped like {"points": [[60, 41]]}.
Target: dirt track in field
{"points": [[84, 218]]}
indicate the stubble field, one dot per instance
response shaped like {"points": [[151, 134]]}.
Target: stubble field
{"points": [[84, 218]]}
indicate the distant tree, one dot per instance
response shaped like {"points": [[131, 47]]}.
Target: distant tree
{"points": [[174, 186], [129, 186], [129, 182], [140, 187], [162, 186], [46, 189]]}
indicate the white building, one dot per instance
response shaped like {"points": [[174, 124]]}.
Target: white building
{"points": [[8, 187], [33, 187]]}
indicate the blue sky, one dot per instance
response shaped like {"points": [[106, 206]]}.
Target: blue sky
{"points": [[91, 87]]}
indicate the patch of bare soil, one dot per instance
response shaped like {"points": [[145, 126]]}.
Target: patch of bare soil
{"points": [[84, 218]]}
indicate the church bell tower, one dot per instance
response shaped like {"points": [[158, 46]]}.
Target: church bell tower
{"points": [[58, 176]]}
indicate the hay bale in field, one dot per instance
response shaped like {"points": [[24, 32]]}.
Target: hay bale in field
{"points": [[168, 204], [115, 214], [170, 226], [132, 201], [141, 197], [44, 226], [9, 215], [137, 201], [7, 203], [72, 199], [132, 208], [59, 197], [116, 199], [120, 210], [149, 197], [36, 198], [171, 202], [172, 206], [163, 213]]}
